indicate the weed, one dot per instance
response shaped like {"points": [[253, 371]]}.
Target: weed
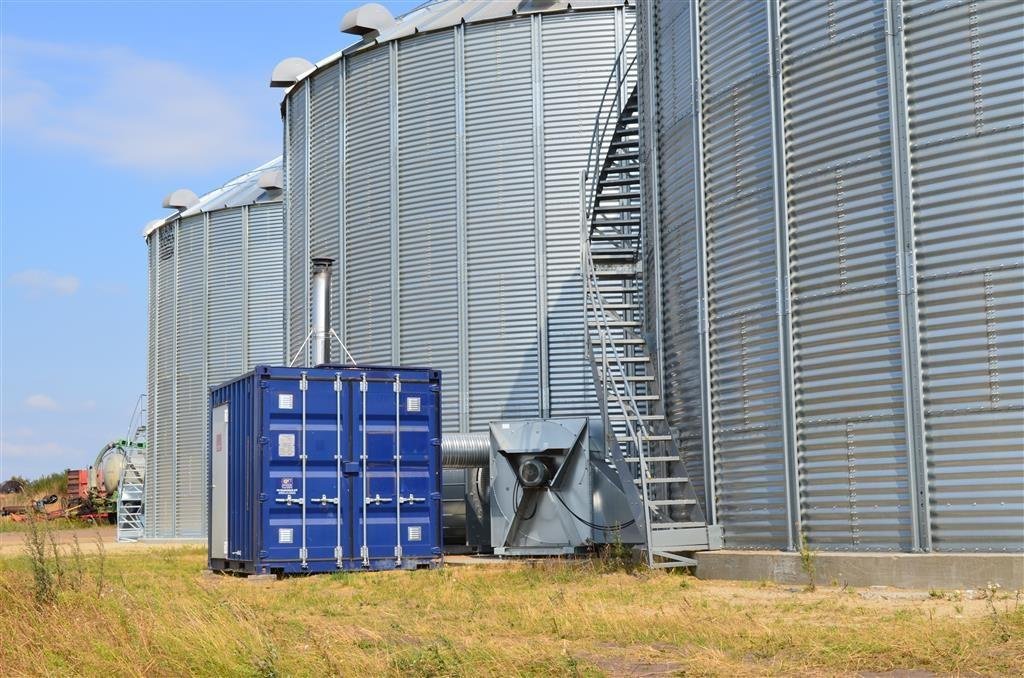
{"points": [[808, 562], [44, 589]]}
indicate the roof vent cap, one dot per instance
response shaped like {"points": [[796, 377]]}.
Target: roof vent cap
{"points": [[272, 180], [181, 199], [367, 19], [287, 71]]}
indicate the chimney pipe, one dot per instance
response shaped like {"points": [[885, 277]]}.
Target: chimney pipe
{"points": [[321, 297]]}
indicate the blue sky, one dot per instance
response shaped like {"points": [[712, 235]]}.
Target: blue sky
{"points": [[105, 107]]}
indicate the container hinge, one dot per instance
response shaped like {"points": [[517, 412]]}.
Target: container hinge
{"points": [[436, 388], [263, 554], [237, 553], [303, 384], [377, 499], [410, 499], [290, 500], [436, 496], [324, 500], [264, 440], [263, 496], [338, 555]]}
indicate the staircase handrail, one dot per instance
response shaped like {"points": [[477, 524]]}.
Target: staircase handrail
{"points": [[609, 115]]}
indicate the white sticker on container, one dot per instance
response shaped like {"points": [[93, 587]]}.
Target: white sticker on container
{"points": [[285, 535], [414, 533], [286, 445], [412, 404], [285, 401]]}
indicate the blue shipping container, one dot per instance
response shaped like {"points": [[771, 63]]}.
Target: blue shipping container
{"points": [[325, 469]]}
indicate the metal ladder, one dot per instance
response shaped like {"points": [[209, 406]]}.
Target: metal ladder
{"points": [[642, 447]]}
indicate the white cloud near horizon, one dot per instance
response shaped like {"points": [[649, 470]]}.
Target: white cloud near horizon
{"points": [[38, 282], [41, 401], [128, 109]]}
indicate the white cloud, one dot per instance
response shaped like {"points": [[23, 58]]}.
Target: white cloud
{"points": [[39, 282], [39, 401], [40, 450], [128, 109]]}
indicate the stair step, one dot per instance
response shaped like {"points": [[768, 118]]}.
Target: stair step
{"points": [[651, 459], [619, 307], [677, 526], [620, 169], [640, 417], [663, 481], [610, 274], [671, 502], [620, 182], [614, 236], [615, 323], [634, 377], [652, 438], [627, 358]]}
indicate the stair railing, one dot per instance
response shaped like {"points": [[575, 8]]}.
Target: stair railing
{"points": [[607, 115]]}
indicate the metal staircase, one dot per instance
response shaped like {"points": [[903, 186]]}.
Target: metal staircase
{"points": [[131, 495], [642, 447]]}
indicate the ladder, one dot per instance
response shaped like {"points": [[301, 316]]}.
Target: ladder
{"points": [[638, 435]]}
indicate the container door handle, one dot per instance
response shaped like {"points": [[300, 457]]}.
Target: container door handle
{"points": [[377, 500], [323, 500], [290, 500]]}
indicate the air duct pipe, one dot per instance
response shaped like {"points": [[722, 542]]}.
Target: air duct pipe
{"points": [[465, 450], [321, 298]]}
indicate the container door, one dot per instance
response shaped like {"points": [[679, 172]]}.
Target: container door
{"points": [[219, 483], [302, 474], [396, 491]]}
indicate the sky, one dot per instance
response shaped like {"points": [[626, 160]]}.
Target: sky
{"points": [[105, 108]]}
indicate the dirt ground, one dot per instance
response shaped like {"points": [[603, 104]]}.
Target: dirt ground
{"points": [[89, 539]]}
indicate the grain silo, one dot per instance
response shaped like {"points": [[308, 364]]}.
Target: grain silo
{"points": [[215, 309], [437, 160], [833, 219]]}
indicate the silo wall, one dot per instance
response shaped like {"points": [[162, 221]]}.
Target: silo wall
{"points": [[215, 309], [833, 238], [441, 170]]}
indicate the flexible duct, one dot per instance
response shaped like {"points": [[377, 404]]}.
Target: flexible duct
{"points": [[465, 450]]}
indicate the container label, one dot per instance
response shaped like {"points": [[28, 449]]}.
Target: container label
{"points": [[286, 445], [412, 404], [287, 486], [285, 401]]}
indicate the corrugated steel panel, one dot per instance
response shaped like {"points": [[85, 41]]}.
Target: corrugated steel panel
{"points": [[189, 482], [324, 162], [964, 65], [428, 247], [742, 282], [152, 402], [160, 474], [578, 55], [265, 286], [225, 295], [843, 267], [504, 370], [298, 233], [674, 123], [367, 218]]}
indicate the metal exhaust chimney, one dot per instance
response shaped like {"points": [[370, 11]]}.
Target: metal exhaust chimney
{"points": [[321, 299]]}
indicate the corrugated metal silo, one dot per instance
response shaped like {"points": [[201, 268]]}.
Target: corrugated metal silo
{"points": [[215, 308], [439, 163], [835, 193]]}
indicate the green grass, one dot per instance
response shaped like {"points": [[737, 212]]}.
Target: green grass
{"points": [[153, 611]]}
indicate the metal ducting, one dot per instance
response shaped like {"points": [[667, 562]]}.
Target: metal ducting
{"points": [[465, 450]]}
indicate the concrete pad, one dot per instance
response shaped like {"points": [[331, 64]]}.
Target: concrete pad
{"points": [[923, 571]]}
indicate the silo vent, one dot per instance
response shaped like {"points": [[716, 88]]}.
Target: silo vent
{"points": [[366, 19], [272, 180], [180, 199], [287, 71]]}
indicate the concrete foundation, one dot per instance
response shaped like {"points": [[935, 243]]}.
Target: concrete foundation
{"points": [[902, 570]]}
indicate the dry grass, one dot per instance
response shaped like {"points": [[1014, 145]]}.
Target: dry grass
{"points": [[158, 614]]}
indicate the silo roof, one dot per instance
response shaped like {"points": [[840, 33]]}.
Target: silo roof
{"points": [[439, 14], [244, 189]]}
